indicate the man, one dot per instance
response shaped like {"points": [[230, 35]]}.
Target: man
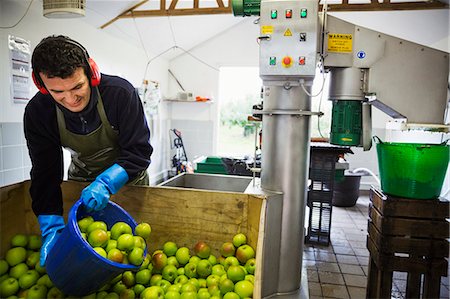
{"points": [[97, 117]]}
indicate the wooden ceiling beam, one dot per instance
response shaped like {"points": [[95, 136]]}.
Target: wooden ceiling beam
{"points": [[374, 5]]}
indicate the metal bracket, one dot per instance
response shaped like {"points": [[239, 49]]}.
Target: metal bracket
{"points": [[288, 112]]}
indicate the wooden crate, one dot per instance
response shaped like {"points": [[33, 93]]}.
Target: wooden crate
{"points": [[181, 215], [407, 235]]}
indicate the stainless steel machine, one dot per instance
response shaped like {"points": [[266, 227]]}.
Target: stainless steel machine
{"points": [[367, 68]]}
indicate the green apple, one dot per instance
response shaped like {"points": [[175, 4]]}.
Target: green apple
{"points": [[40, 269], [169, 272], [111, 295], [136, 256], [172, 295], [212, 259], [55, 293], [18, 270], [120, 228], [111, 244], [118, 287], [180, 271], [195, 282], [19, 240], [172, 260], [181, 279], [146, 262], [98, 238], [239, 240], [159, 260], [218, 270], [96, 225], [28, 279], [244, 289], [4, 267], [84, 223], [202, 249], [170, 248], [250, 265], [128, 279], [244, 253], [250, 277], [153, 292], [45, 280], [90, 296], [235, 273], [227, 249], [9, 287], [203, 294], [34, 242], [125, 242], [174, 288], [231, 295], [212, 280], [115, 255], [155, 279], [214, 291], [101, 252], [139, 242], [204, 268], [225, 286], [127, 294], [37, 291], [138, 289], [194, 259], [4, 277], [188, 287], [190, 270], [183, 255], [189, 295], [16, 255], [230, 261], [33, 259], [164, 284], [143, 229], [143, 276]]}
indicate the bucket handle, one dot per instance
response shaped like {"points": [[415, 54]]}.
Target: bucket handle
{"points": [[377, 139]]}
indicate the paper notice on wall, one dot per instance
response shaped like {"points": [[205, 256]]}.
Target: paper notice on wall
{"points": [[20, 69]]}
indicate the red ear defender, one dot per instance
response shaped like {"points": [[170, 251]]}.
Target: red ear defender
{"points": [[95, 73], [38, 84]]}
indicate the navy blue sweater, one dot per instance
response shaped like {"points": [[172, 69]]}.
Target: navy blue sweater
{"points": [[125, 114]]}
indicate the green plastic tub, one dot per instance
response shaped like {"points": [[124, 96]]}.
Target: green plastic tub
{"points": [[213, 165], [412, 170]]}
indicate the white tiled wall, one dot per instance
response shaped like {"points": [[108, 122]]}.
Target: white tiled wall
{"points": [[15, 164]]}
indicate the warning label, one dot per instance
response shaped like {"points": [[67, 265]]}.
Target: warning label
{"points": [[288, 32], [266, 29], [340, 43]]}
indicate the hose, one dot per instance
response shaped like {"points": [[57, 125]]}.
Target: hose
{"points": [[362, 169]]}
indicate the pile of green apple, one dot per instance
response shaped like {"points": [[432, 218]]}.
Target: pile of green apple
{"points": [[170, 272], [118, 244]]}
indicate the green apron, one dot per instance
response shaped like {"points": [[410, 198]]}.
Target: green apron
{"points": [[95, 152]]}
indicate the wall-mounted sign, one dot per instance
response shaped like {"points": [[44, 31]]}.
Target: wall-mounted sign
{"points": [[20, 68]]}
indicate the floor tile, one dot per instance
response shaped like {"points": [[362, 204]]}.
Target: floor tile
{"points": [[347, 259], [331, 278], [325, 257], [347, 250], [334, 291], [357, 293], [355, 280], [351, 269], [314, 289], [313, 276], [328, 267]]}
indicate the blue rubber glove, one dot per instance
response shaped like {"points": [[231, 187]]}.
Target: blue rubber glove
{"points": [[96, 196], [51, 226]]}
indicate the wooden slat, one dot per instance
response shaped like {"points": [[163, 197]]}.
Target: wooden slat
{"points": [[394, 244], [178, 12], [220, 3], [386, 6], [129, 10], [410, 208], [173, 4]]}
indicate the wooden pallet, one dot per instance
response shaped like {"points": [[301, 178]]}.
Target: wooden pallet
{"points": [[407, 235]]}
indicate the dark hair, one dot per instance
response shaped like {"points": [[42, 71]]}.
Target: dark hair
{"points": [[59, 56]]}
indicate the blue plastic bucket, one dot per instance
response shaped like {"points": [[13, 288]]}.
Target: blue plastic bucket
{"points": [[73, 265]]}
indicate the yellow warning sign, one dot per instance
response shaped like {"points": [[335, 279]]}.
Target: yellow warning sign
{"points": [[266, 29], [288, 32], [340, 43]]}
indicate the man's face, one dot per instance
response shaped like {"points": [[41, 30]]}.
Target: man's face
{"points": [[73, 92]]}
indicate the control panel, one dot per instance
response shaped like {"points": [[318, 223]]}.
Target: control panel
{"points": [[288, 39]]}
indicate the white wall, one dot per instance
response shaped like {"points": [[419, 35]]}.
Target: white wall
{"points": [[237, 47], [112, 55]]}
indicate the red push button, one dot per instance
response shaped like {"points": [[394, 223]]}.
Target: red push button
{"points": [[286, 61], [302, 60]]}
